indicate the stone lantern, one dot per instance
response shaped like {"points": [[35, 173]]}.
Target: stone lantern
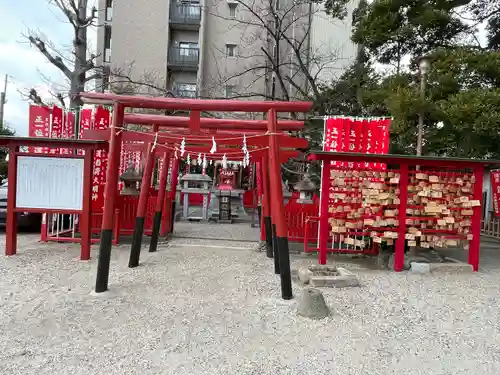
{"points": [[306, 189], [130, 178]]}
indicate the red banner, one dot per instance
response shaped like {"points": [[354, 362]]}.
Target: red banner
{"points": [[495, 190], [85, 124], [56, 126], [39, 126], [333, 136], [69, 129], [101, 121], [364, 135]]}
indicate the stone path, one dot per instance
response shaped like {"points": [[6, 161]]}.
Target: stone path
{"points": [[215, 231]]}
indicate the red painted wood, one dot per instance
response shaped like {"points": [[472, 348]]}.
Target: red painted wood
{"points": [[86, 215], [163, 182], [225, 105], [110, 188], [277, 208], [476, 218], [11, 228], [145, 182], [194, 122], [399, 254], [323, 224]]}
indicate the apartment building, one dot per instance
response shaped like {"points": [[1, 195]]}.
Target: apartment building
{"points": [[222, 48]]}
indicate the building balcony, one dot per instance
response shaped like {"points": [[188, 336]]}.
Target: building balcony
{"points": [[184, 59], [185, 16], [185, 91]]}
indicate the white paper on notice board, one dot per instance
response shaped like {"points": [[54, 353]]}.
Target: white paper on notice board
{"points": [[51, 183]]}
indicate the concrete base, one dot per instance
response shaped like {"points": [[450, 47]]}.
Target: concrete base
{"points": [[451, 266], [326, 276], [312, 304]]}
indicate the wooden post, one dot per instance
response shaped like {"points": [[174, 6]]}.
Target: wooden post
{"points": [[86, 216], [153, 244], [399, 253], [281, 226], [475, 243], [174, 179], [110, 191], [11, 227], [324, 226], [266, 208], [135, 249]]}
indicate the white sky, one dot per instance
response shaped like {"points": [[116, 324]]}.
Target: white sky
{"points": [[23, 63]]}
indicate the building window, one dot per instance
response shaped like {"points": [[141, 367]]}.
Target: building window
{"points": [[232, 9], [188, 50], [107, 43], [185, 90], [230, 50], [109, 10], [230, 91]]}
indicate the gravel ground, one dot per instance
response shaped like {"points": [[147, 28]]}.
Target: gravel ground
{"points": [[241, 232], [195, 310]]}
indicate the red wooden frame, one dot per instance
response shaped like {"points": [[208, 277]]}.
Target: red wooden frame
{"points": [[14, 143], [195, 124], [404, 162]]}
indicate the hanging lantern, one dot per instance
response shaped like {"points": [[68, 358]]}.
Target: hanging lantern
{"points": [[199, 159]]}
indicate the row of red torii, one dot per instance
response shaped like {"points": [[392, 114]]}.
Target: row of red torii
{"points": [[266, 142]]}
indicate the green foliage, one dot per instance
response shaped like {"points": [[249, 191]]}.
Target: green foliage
{"points": [[461, 101]]}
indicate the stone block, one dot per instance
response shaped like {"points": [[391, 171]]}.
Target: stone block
{"points": [[335, 281], [417, 267], [312, 305], [304, 275], [452, 267]]}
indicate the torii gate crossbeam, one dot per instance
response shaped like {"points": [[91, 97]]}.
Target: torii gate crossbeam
{"points": [[195, 124]]}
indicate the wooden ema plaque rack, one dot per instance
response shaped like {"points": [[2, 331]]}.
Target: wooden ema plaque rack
{"points": [[436, 205]]}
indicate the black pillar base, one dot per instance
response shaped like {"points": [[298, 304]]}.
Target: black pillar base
{"points": [[153, 244], [269, 236], [135, 249], [285, 272], [276, 252], [173, 217], [101, 284]]}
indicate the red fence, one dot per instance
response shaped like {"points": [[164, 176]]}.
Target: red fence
{"points": [[297, 215], [300, 226]]}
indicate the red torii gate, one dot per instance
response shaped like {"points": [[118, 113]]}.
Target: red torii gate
{"points": [[274, 219]]}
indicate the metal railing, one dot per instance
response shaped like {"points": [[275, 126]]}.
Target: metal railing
{"points": [[185, 14], [184, 93], [182, 56]]}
